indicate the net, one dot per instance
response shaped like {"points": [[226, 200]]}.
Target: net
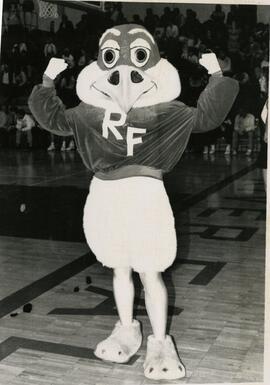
{"points": [[47, 9]]}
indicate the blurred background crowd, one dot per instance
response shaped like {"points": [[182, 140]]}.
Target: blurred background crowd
{"points": [[239, 41]]}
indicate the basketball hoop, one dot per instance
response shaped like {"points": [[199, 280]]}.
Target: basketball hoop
{"points": [[47, 9]]}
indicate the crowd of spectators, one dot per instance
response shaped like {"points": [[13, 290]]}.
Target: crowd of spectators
{"points": [[240, 43]]}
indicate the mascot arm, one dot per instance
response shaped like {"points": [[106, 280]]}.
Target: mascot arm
{"points": [[214, 103], [45, 105], [49, 111]]}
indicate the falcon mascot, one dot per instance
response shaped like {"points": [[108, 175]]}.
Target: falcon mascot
{"points": [[129, 131]]}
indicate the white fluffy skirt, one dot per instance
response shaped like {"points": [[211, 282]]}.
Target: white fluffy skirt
{"points": [[129, 223]]}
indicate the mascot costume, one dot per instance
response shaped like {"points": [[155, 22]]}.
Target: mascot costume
{"points": [[129, 131]]}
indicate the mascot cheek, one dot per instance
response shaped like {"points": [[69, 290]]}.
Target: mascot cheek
{"points": [[167, 87], [88, 94]]}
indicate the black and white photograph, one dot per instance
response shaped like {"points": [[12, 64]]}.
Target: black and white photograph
{"points": [[133, 192]]}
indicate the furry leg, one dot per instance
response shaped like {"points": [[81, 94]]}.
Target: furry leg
{"points": [[122, 344], [162, 361]]}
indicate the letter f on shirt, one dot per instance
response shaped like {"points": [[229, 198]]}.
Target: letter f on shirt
{"points": [[110, 125]]}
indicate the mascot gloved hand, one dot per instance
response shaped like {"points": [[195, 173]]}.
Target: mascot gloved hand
{"points": [[210, 62], [130, 130], [55, 67]]}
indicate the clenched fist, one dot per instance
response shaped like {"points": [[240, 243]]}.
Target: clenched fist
{"points": [[210, 62], [55, 67]]}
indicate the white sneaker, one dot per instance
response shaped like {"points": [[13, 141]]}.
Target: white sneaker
{"points": [[212, 149], [63, 148], [71, 146], [51, 147], [205, 150], [227, 150], [249, 152], [234, 152]]}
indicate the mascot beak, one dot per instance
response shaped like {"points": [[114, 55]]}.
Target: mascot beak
{"points": [[124, 85]]}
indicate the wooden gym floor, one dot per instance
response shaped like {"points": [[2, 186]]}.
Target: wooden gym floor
{"points": [[216, 286]]}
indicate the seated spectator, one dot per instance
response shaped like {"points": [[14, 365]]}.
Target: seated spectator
{"points": [[117, 15], [137, 20], [193, 55], [14, 61], [5, 80], [262, 77], [233, 15], [24, 56], [66, 28], [13, 19], [24, 125], [218, 16], [68, 57], [171, 31], [244, 124], [28, 8], [3, 126], [177, 17], [233, 38], [19, 82], [49, 50], [159, 33], [265, 61], [67, 89], [82, 26], [165, 18], [82, 60], [191, 26], [150, 21], [224, 62]]}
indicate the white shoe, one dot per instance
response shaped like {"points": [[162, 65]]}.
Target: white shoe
{"points": [[63, 148], [51, 147], [249, 152], [234, 152], [227, 150], [205, 150], [212, 149], [122, 344], [162, 361], [71, 146]]}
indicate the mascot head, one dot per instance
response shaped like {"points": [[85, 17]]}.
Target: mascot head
{"points": [[129, 72]]}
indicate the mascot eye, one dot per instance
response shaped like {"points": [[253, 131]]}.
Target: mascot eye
{"points": [[110, 57], [140, 56]]}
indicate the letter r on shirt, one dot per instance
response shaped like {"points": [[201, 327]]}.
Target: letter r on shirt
{"points": [[109, 124]]}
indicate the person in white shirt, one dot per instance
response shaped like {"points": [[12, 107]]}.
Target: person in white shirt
{"points": [[172, 31], [24, 125], [244, 123], [50, 50]]}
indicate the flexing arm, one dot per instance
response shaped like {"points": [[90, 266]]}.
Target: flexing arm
{"points": [[46, 106], [216, 100]]}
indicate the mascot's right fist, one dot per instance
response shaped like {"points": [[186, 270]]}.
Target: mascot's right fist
{"points": [[210, 62], [55, 67]]}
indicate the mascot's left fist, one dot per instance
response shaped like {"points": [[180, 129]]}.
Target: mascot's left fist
{"points": [[210, 62], [55, 67]]}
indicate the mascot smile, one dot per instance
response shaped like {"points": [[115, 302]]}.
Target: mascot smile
{"points": [[129, 131]]}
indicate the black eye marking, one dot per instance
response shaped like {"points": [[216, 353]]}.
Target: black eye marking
{"points": [[109, 56], [141, 55]]}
